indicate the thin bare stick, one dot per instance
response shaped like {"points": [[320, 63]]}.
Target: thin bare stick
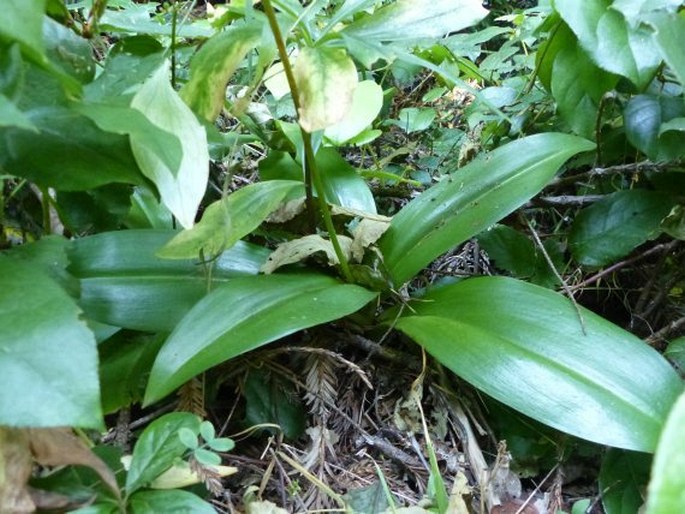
{"points": [[552, 267], [622, 264]]}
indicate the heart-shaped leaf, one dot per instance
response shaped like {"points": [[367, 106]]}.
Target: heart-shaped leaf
{"points": [[48, 357]]}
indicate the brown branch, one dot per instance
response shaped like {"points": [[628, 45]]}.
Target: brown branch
{"points": [[622, 264]]}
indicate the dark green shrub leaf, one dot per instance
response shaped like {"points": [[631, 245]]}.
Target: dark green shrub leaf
{"points": [[676, 353], [645, 116], [414, 119], [271, 400], [510, 250], [615, 45], [244, 314], [342, 184], [158, 447], [614, 226], [48, 359], [622, 480], [70, 153], [125, 363], [471, 199], [123, 282], [670, 38], [667, 486], [524, 345], [415, 19], [22, 21]]}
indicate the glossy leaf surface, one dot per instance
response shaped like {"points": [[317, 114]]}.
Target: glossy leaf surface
{"points": [[182, 187], [473, 198], [524, 345], [647, 117], [666, 493], [48, 359], [158, 447], [123, 282], [614, 226], [414, 19], [212, 67], [342, 184], [65, 152], [326, 79], [245, 314]]}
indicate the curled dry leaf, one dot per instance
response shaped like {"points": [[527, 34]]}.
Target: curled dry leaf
{"points": [[60, 447], [299, 249], [15, 470]]}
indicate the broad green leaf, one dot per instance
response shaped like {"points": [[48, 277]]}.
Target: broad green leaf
{"points": [[613, 44], [181, 188], [125, 70], [644, 118], [614, 226], [147, 212], [342, 184], [414, 119], [670, 38], [509, 250], [70, 152], [125, 121], [244, 314], [70, 53], [22, 21], [326, 79], [471, 199], [157, 448], [271, 399], [125, 363], [212, 67], [576, 83], [635, 11], [227, 221], [123, 282], [415, 19], [676, 352], [622, 480], [11, 116], [367, 101], [48, 359], [525, 346], [666, 492]]}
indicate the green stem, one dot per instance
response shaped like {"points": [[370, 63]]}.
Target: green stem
{"points": [[174, 20], [311, 174], [323, 206], [283, 54]]}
